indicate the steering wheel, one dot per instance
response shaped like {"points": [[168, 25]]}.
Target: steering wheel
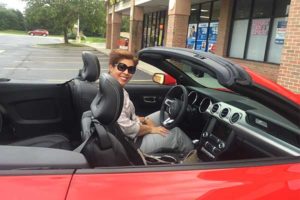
{"points": [[173, 106]]}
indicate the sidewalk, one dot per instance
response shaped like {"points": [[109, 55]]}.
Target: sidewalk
{"points": [[145, 67]]}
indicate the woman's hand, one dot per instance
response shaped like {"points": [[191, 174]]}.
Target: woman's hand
{"points": [[149, 122], [159, 130], [142, 119], [146, 121]]}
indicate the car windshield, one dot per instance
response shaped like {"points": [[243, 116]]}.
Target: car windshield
{"points": [[193, 71]]}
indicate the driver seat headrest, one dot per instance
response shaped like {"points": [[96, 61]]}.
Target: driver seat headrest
{"points": [[91, 67], [107, 105]]}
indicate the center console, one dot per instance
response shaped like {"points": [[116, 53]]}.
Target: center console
{"points": [[214, 140]]}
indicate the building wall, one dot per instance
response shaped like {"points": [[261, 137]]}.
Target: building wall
{"points": [[289, 73], [266, 70], [286, 74]]}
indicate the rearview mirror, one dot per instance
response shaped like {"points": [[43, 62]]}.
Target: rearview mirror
{"points": [[163, 79]]}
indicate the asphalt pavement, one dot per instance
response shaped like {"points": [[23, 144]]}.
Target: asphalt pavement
{"points": [[32, 58]]}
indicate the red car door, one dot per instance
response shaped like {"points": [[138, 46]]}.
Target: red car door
{"points": [[261, 182], [35, 185]]}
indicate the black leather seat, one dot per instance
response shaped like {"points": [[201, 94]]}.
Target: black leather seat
{"points": [[102, 148], [106, 144], [57, 141], [83, 89]]}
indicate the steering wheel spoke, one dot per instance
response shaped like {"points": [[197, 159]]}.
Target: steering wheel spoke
{"points": [[168, 121], [174, 106], [168, 102]]}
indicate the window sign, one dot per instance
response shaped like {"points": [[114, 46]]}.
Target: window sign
{"points": [[260, 27], [202, 34], [191, 36], [258, 39], [264, 41], [280, 32], [212, 36]]}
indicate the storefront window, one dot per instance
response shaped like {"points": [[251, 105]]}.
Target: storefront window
{"points": [[194, 14], [277, 39], [203, 26], [258, 39], [205, 12], [278, 30], [239, 34], [259, 29], [262, 8], [216, 11], [242, 10], [153, 29]]}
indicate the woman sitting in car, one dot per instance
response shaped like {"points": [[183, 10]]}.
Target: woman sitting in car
{"points": [[145, 131]]}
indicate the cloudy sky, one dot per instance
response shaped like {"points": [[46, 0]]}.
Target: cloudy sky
{"points": [[14, 4]]}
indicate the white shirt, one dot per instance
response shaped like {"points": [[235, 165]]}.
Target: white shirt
{"points": [[128, 121]]}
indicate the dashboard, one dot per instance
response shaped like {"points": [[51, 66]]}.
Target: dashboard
{"points": [[239, 127]]}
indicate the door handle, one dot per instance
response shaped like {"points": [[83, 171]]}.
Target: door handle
{"points": [[149, 99]]}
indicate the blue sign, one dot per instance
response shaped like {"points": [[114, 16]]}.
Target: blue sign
{"points": [[280, 32], [202, 35]]}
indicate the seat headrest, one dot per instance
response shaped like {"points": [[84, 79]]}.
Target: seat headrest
{"points": [[107, 105], [91, 67]]}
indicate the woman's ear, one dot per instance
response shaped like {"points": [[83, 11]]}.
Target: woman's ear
{"points": [[110, 68]]}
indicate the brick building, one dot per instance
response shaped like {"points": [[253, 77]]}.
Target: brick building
{"points": [[261, 34]]}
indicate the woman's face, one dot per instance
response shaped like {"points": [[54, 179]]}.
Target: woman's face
{"points": [[122, 77]]}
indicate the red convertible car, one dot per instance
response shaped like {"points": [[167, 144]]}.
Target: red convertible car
{"points": [[61, 141]]}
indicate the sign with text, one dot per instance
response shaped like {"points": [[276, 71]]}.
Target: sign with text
{"points": [[260, 26], [280, 32]]}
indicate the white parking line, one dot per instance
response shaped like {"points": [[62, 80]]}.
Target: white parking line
{"points": [[44, 69], [28, 61], [41, 69]]}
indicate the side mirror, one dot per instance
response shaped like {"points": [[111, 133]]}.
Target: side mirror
{"points": [[163, 79]]}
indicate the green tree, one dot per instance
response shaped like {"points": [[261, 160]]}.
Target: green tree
{"points": [[54, 14], [11, 19], [125, 24], [92, 18], [59, 16]]}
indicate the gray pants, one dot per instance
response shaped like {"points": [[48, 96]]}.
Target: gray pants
{"points": [[176, 140]]}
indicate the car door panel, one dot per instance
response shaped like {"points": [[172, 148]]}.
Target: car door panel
{"points": [[34, 109], [34, 185], [211, 182], [147, 98]]}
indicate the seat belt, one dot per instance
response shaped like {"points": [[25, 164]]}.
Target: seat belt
{"points": [[82, 145], [104, 140]]}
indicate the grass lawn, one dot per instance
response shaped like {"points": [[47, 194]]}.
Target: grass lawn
{"points": [[93, 40], [14, 32], [72, 42], [87, 40]]}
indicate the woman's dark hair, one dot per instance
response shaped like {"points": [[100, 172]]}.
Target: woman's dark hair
{"points": [[116, 55]]}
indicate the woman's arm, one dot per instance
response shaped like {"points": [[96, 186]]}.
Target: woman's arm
{"points": [[146, 121]]}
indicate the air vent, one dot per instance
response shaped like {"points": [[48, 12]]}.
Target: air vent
{"points": [[224, 112], [215, 108], [235, 117], [205, 103]]}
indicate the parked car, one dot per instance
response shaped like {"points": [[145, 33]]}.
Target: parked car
{"points": [[245, 129], [40, 32]]}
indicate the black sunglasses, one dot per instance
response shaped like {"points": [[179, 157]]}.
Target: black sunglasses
{"points": [[122, 67]]}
